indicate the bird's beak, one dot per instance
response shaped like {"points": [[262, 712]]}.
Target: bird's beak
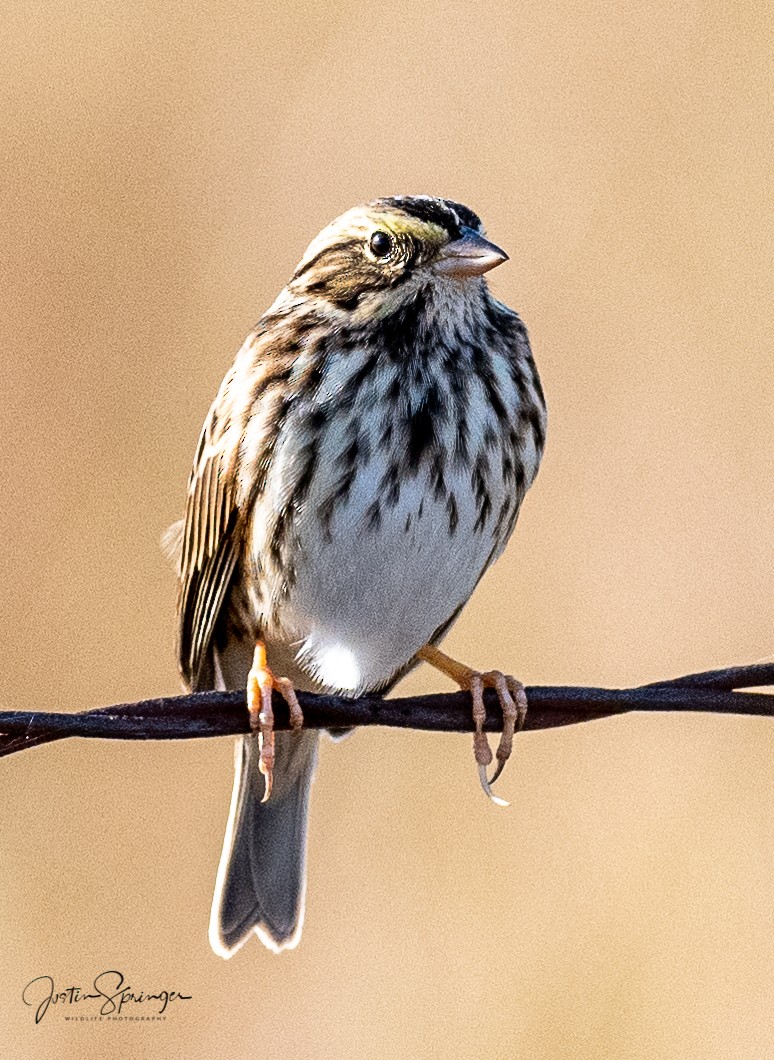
{"points": [[470, 255]]}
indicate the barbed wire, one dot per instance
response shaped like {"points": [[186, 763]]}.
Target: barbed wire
{"points": [[207, 714]]}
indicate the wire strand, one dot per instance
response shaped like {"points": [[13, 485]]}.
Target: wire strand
{"points": [[207, 714]]}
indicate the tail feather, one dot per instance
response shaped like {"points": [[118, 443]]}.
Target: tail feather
{"points": [[262, 874]]}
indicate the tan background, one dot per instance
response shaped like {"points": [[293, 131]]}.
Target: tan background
{"points": [[163, 167]]}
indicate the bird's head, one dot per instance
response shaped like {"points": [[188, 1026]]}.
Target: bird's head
{"points": [[374, 254]]}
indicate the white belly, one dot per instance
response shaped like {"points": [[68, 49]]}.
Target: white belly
{"points": [[370, 594], [356, 599]]}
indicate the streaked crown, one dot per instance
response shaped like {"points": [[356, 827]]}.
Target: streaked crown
{"points": [[384, 243]]}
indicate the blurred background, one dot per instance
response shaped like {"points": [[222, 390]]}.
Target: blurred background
{"points": [[163, 166]]}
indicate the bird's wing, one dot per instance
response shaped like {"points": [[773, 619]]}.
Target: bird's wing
{"points": [[211, 538], [229, 467]]}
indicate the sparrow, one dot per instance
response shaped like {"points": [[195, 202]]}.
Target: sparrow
{"points": [[361, 467]]}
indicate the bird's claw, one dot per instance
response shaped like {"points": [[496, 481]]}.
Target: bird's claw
{"points": [[513, 702], [261, 682], [486, 784]]}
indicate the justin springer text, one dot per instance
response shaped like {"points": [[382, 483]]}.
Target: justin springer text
{"points": [[110, 989]]}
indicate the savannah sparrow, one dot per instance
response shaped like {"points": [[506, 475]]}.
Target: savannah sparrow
{"points": [[361, 467]]}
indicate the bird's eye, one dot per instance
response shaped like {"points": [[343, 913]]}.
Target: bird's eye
{"points": [[380, 244]]}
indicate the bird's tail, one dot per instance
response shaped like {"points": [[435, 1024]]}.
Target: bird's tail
{"points": [[261, 882]]}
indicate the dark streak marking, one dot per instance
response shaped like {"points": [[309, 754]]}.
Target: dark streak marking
{"points": [[451, 508]]}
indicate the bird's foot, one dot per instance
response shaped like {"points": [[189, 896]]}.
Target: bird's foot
{"points": [[261, 682], [513, 703]]}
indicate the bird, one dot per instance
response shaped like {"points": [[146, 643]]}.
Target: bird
{"points": [[363, 464]]}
